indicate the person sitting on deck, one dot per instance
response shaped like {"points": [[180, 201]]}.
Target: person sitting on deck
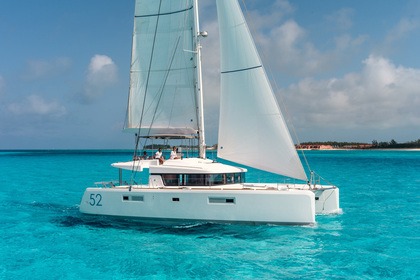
{"points": [[144, 156], [159, 156], [174, 155]]}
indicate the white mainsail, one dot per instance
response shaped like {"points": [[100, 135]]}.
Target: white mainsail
{"points": [[162, 98], [252, 130]]}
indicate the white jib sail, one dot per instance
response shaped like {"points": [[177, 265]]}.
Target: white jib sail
{"points": [[162, 99], [252, 130]]}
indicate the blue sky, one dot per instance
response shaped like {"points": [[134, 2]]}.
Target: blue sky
{"points": [[347, 70]]}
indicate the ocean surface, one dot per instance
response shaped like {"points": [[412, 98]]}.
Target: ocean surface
{"points": [[43, 235]]}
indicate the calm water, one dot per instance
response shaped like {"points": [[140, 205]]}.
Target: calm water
{"points": [[43, 236]]}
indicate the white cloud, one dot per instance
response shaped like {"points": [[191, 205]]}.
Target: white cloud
{"points": [[380, 96], [402, 33], [345, 41], [101, 68], [36, 105], [37, 69], [402, 29], [264, 20], [290, 46], [341, 19], [293, 53], [102, 73]]}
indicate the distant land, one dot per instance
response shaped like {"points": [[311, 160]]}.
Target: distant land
{"points": [[331, 145]]}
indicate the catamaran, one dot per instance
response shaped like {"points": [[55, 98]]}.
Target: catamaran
{"points": [[166, 102]]}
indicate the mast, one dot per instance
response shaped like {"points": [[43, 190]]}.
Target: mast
{"points": [[199, 86]]}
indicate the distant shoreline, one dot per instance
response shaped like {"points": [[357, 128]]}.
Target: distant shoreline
{"points": [[375, 145], [362, 149]]}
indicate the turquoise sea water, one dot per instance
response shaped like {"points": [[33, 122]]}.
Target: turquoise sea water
{"points": [[43, 235]]}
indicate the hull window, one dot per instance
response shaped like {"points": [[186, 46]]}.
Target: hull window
{"points": [[202, 179], [133, 198], [137, 198], [223, 200], [171, 179]]}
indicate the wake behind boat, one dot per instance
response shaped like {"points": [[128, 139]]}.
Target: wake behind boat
{"points": [[166, 102]]}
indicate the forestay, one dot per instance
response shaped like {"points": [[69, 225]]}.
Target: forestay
{"points": [[162, 99], [252, 130]]}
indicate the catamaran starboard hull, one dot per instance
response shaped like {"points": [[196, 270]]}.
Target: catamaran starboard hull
{"points": [[186, 205]]}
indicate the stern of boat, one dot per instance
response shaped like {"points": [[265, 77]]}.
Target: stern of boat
{"points": [[327, 201]]}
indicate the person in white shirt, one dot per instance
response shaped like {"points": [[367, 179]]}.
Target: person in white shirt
{"points": [[173, 153], [159, 156]]}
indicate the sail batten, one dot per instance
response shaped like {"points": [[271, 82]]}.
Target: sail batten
{"points": [[163, 14], [239, 70], [252, 130]]}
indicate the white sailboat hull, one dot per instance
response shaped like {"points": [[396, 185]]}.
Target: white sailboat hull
{"points": [[182, 205]]}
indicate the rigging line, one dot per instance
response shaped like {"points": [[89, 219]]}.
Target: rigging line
{"points": [[322, 178], [164, 83], [147, 83], [282, 102], [129, 90], [169, 69], [182, 67], [192, 80], [162, 87]]}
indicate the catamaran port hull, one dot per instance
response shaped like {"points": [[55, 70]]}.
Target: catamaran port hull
{"points": [[209, 205], [327, 200]]}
